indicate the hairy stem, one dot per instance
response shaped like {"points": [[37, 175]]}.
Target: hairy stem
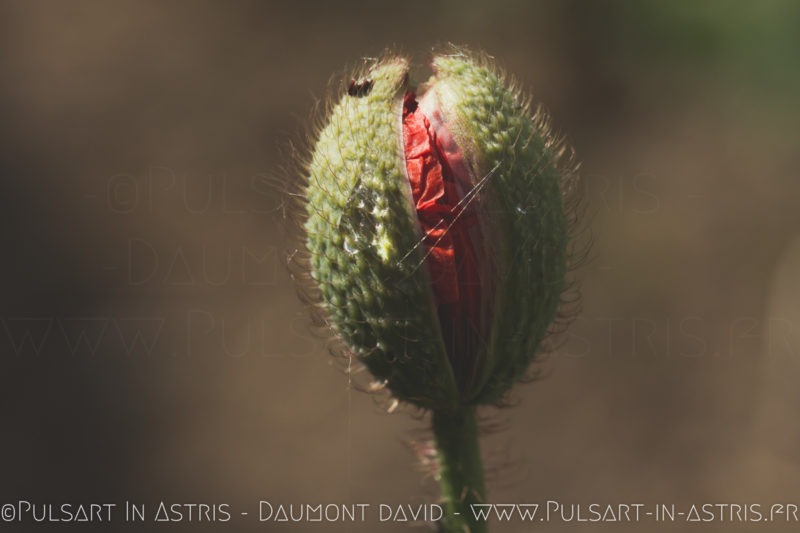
{"points": [[460, 469]]}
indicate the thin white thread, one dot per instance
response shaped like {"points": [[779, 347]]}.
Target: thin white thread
{"points": [[467, 199]]}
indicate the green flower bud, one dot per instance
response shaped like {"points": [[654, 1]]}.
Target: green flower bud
{"points": [[436, 229]]}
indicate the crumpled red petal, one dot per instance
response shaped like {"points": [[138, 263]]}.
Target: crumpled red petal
{"points": [[439, 180]]}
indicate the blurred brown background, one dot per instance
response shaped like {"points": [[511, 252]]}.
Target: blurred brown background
{"points": [[151, 343]]}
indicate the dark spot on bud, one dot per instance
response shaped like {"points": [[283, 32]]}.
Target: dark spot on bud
{"points": [[359, 88]]}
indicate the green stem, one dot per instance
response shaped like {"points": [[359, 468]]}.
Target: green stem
{"points": [[460, 469]]}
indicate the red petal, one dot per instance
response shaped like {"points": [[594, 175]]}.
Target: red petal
{"points": [[439, 179]]}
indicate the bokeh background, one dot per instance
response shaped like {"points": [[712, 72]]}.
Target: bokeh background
{"points": [[152, 347]]}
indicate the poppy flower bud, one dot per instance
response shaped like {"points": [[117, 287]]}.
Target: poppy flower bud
{"points": [[436, 229]]}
